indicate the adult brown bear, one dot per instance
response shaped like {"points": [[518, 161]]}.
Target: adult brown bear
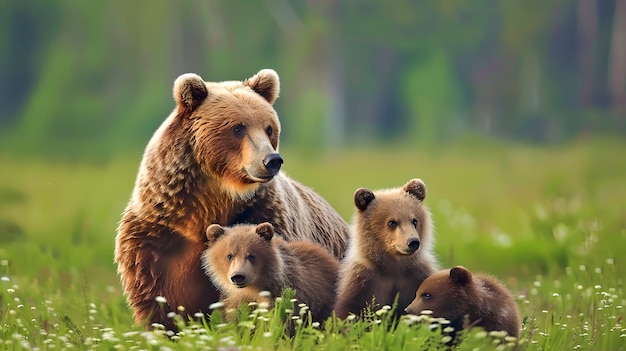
{"points": [[213, 160]]}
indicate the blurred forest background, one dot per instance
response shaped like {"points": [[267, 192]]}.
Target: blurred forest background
{"points": [[95, 78]]}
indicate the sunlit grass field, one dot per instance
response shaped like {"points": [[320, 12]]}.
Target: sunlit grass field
{"points": [[549, 221]]}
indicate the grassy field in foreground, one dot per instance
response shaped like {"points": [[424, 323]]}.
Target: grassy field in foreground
{"points": [[549, 222]]}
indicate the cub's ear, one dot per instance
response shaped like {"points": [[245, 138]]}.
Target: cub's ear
{"points": [[459, 275], [265, 231], [265, 83], [417, 188], [362, 198], [214, 232], [189, 91]]}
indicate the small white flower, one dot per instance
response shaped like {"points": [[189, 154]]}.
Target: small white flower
{"points": [[157, 326], [265, 293], [480, 335], [216, 305], [160, 299]]}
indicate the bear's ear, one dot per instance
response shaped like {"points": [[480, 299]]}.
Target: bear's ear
{"points": [[214, 231], [265, 231], [459, 275], [362, 198], [189, 91], [266, 84], [417, 188]]}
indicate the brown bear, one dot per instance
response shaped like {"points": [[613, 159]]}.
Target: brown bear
{"points": [[213, 160], [390, 250], [468, 300], [245, 259]]}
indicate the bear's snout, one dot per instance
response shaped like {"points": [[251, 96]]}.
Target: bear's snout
{"points": [[413, 244], [238, 279], [272, 163]]}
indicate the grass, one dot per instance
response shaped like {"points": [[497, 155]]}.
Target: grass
{"points": [[550, 222]]}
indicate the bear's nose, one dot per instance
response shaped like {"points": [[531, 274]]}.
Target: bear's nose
{"points": [[413, 244], [238, 279], [272, 163]]}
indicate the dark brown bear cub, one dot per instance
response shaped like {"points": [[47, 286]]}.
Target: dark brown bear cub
{"points": [[245, 259], [390, 249], [468, 300]]}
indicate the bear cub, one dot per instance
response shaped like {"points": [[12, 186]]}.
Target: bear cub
{"points": [[468, 300], [390, 249], [245, 259]]}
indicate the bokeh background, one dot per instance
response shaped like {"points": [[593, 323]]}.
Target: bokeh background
{"points": [[90, 79]]}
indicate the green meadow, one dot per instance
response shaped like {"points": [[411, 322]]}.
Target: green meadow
{"points": [[549, 221]]}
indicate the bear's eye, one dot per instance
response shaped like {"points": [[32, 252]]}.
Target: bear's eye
{"points": [[392, 224], [427, 296], [269, 131], [414, 223], [251, 258], [229, 257], [239, 130]]}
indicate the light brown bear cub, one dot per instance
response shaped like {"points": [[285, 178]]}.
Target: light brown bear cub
{"points": [[468, 300], [390, 249], [245, 259]]}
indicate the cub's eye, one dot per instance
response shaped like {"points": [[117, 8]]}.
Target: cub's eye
{"points": [[414, 223], [229, 257], [239, 130], [251, 258], [269, 131], [392, 224], [427, 296]]}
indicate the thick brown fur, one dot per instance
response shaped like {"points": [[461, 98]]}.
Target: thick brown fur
{"points": [[390, 249], [244, 260], [213, 160], [468, 300]]}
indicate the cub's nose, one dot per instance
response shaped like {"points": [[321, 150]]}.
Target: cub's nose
{"points": [[272, 163], [238, 279], [413, 244]]}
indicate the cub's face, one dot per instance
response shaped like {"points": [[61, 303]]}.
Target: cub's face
{"points": [[396, 220], [234, 128], [445, 293], [237, 256]]}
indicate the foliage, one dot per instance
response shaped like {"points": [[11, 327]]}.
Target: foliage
{"points": [[549, 222], [79, 77]]}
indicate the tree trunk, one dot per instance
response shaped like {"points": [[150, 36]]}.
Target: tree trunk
{"points": [[588, 32], [617, 66]]}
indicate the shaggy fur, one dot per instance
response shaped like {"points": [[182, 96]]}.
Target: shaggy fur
{"points": [[244, 260], [390, 250], [468, 300], [213, 160]]}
